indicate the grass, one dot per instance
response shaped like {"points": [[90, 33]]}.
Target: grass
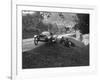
{"points": [[46, 56]]}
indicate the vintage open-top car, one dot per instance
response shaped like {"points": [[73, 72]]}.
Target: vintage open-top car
{"points": [[45, 37]]}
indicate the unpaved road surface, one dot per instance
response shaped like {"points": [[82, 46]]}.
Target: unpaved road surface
{"points": [[28, 44]]}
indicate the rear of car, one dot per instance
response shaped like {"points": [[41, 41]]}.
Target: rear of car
{"points": [[44, 36]]}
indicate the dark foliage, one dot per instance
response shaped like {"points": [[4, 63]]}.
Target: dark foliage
{"points": [[83, 23], [32, 24]]}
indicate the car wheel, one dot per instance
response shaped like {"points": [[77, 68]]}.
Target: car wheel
{"points": [[36, 40]]}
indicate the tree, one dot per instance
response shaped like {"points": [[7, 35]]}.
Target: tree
{"points": [[83, 23]]}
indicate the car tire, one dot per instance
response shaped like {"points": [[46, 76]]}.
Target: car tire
{"points": [[36, 40]]}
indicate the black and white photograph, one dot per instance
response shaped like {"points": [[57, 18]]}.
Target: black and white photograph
{"points": [[54, 39]]}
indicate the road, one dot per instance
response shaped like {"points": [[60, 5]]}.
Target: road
{"points": [[28, 44]]}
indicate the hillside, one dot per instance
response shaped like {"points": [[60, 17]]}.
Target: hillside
{"points": [[59, 56]]}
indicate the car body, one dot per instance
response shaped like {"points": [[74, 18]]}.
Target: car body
{"points": [[45, 36]]}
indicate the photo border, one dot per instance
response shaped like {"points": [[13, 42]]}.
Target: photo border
{"points": [[17, 35]]}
